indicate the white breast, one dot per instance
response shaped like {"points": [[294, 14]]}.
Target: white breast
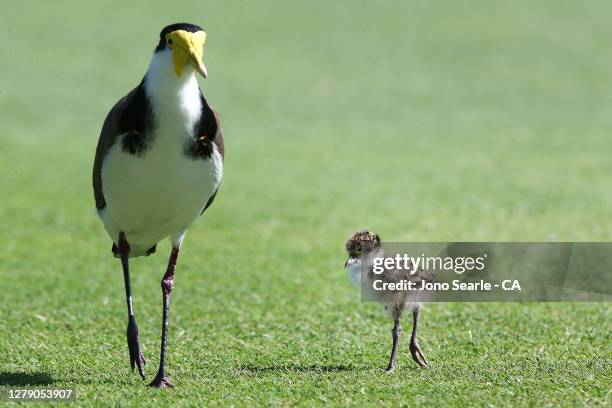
{"points": [[156, 196], [354, 273]]}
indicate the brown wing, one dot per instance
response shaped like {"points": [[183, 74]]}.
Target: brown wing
{"points": [[129, 115]]}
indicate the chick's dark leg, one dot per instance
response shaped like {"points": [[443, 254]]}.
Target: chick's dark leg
{"points": [[167, 284], [415, 350], [396, 332], [136, 357]]}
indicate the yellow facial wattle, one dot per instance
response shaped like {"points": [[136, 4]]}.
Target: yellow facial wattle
{"points": [[187, 48]]}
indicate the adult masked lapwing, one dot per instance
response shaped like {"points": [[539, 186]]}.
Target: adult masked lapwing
{"points": [[363, 247], [158, 166]]}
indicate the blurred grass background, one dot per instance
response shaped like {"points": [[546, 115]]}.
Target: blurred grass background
{"points": [[421, 120]]}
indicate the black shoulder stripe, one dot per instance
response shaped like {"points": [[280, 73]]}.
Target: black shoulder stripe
{"points": [[135, 122], [201, 146]]}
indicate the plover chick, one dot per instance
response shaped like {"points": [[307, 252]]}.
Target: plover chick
{"points": [[363, 248]]}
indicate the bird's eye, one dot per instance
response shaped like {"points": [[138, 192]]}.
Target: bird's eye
{"points": [[170, 41]]}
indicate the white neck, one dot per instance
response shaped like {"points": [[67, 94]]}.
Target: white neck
{"points": [[175, 100]]}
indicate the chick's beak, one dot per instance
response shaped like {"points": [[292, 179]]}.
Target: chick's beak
{"points": [[187, 48], [350, 261]]}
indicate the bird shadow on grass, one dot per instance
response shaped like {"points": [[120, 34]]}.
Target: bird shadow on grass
{"points": [[17, 378], [295, 368]]}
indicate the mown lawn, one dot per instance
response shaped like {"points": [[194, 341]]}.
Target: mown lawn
{"points": [[424, 121]]}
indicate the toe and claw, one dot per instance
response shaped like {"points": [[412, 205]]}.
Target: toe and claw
{"points": [[417, 354], [161, 381], [136, 357]]}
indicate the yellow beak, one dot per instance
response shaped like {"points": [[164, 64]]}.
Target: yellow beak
{"points": [[187, 48]]}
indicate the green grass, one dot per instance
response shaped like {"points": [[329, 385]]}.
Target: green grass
{"points": [[424, 121]]}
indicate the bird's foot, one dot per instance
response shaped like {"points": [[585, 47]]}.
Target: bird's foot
{"points": [[136, 357], [417, 354], [161, 381], [390, 368]]}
